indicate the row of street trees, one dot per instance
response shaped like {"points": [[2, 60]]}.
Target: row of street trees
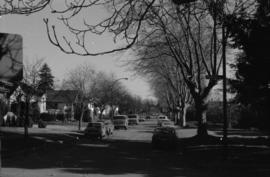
{"points": [[92, 86], [180, 44], [102, 90]]}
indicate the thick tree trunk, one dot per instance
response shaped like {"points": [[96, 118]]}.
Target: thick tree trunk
{"points": [[201, 117]]}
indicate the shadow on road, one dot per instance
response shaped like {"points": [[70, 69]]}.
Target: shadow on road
{"points": [[74, 154]]}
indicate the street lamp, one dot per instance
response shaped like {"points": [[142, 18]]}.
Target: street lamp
{"points": [[113, 83]]}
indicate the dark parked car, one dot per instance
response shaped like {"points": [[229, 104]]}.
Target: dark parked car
{"points": [[120, 121], [167, 123], [161, 118], [148, 117], [164, 137], [95, 130], [109, 127], [141, 118], [133, 119]]}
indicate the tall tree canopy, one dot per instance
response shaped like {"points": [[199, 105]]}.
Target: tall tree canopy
{"points": [[251, 35], [46, 81]]}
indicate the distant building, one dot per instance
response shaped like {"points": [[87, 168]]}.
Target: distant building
{"points": [[57, 100]]}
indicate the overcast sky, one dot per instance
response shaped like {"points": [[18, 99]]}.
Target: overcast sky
{"points": [[36, 45]]}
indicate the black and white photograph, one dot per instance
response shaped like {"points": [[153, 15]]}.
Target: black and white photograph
{"points": [[134, 88]]}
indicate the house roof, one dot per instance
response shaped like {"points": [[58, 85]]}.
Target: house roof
{"points": [[61, 96]]}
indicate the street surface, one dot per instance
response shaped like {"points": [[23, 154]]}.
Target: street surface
{"points": [[125, 153]]}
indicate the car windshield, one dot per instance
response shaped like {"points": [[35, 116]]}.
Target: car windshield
{"points": [[132, 116], [94, 125], [162, 117], [119, 117], [167, 123], [164, 130]]}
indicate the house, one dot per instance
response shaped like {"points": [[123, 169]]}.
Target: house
{"points": [[59, 101]]}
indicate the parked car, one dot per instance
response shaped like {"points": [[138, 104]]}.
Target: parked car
{"points": [[148, 117], [133, 119], [161, 118], [164, 137], [42, 124], [167, 123], [141, 119], [95, 130], [120, 121], [108, 126]]}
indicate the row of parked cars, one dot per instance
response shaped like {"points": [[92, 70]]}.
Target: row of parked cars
{"points": [[102, 128]]}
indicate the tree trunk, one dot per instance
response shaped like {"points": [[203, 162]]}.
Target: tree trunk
{"points": [[72, 112], [201, 117], [81, 117], [26, 119], [184, 116], [100, 115], [177, 116]]}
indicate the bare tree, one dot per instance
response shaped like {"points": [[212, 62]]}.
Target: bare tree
{"points": [[189, 36], [188, 28], [124, 19], [28, 89], [107, 91], [164, 72], [81, 80], [101, 91]]}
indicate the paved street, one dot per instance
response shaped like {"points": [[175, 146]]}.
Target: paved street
{"points": [[126, 153]]}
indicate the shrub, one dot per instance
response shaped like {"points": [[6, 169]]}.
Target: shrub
{"points": [[60, 116], [47, 117], [20, 122], [31, 122], [42, 124]]}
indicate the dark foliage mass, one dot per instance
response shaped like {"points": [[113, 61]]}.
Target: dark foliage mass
{"points": [[252, 36], [46, 79]]}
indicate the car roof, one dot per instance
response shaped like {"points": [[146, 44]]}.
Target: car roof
{"points": [[133, 115], [120, 115], [166, 121], [164, 128], [95, 123]]}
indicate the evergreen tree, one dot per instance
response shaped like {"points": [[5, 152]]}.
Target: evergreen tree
{"points": [[253, 37], [46, 81]]}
